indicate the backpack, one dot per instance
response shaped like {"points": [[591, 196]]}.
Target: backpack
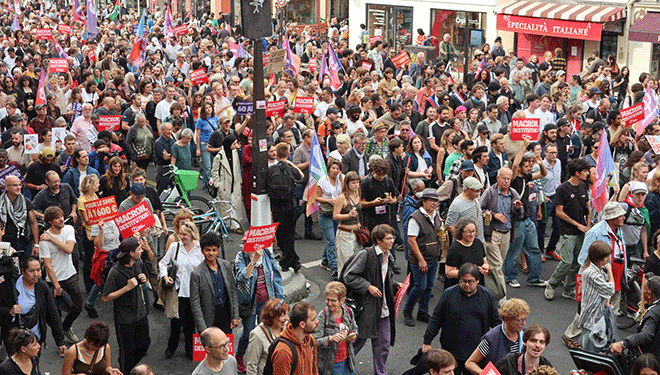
{"points": [[443, 207], [268, 370], [281, 184]]}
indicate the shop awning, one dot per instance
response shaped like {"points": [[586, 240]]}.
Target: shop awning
{"points": [[646, 29], [569, 12]]}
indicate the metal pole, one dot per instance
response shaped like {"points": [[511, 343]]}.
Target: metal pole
{"points": [[466, 50]]}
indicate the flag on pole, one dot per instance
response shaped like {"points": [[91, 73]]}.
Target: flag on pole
{"points": [[240, 51], [316, 171], [169, 24], [651, 111], [78, 14], [139, 47], [289, 56], [335, 66], [60, 50], [17, 7], [323, 70], [604, 166], [92, 19], [41, 92], [15, 25], [115, 12]]}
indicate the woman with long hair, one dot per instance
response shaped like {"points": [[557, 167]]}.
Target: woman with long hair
{"points": [[446, 149], [186, 254], [205, 126], [346, 212], [638, 172], [228, 179], [533, 65], [115, 182], [621, 84], [645, 364], [558, 106], [428, 71], [328, 189], [597, 289], [416, 164], [196, 105], [27, 96], [74, 108]]}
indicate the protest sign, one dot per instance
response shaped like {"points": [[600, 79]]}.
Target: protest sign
{"points": [[244, 108], [634, 116], [64, 29], [275, 108], [304, 104], [44, 34], [58, 138], [91, 55], [525, 126], [259, 237], [276, 61], [373, 39], [266, 59], [400, 295], [198, 76], [134, 219], [181, 30], [58, 66], [11, 170], [101, 209], [490, 369], [312, 65], [401, 59], [654, 142], [199, 354], [31, 143], [366, 65], [110, 123]]}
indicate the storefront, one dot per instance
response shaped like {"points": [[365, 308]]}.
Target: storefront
{"points": [[646, 31], [392, 23], [537, 27]]}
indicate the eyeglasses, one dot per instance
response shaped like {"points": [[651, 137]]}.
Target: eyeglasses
{"points": [[223, 346], [521, 321], [467, 282]]}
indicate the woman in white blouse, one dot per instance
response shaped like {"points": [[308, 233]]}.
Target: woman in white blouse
{"points": [[327, 191], [186, 254]]}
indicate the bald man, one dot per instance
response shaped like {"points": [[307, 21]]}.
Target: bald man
{"points": [[18, 221], [218, 361]]}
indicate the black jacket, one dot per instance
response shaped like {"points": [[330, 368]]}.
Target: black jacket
{"points": [[648, 337], [350, 162], [508, 365], [47, 311]]}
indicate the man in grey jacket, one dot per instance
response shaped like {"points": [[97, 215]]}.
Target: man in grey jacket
{"points": [[213, 299]]}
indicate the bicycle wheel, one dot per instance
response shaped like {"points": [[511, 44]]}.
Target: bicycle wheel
{"points": [[232, 239], [204, 223], [199, 205]]}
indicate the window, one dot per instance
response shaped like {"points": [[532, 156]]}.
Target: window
{"points": [[393, 24]]}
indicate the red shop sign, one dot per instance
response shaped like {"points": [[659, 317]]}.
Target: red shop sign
{"points": [[557, 28]]}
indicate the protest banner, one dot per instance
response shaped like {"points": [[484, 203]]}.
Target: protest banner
{"points": [[110, 123], [304, 104], [654, 142], [367, 66], [266, 59], [276, 61], [244, 108], [400, 295], [134, 219], [199, 354], [373, 39], [198, 76], [44, 34], [181, 30], [312, 65], [401, 59], [58, 66], [58, 138], [634, 116], [525, 126], [275, 108], [64, 29], [91, 55], [260, 237], [101, 209], [11, 170]]}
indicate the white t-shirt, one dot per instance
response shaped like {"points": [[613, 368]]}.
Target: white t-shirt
{"points": [[61, 261], [352, 127], [547, 117], [163, 109], [329, 191], [110, 235]]}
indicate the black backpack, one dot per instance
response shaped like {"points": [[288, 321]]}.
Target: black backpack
{"points": [[281, 184], [443, 207], [268, 370]]}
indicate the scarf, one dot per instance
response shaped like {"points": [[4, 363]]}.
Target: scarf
{"points": [[16, 211]]}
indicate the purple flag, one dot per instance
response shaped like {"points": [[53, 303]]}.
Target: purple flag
{"points": [[240, 51], [15, 25], [60, 50], [604, 166], [92, 19], [169, 24], [323, 70], [650, 108], [289, 56]]}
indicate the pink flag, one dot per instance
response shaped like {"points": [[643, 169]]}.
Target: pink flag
{"points": [[650, 108], [604, 166], [323, 70], [335, 66], [169, 24], [41, 92], [289, 56]]}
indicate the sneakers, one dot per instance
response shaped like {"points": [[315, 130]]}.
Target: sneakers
{"points": [[324, 265], [335, 275], [569, 295], [514, 284], [549, 292], [71, 336], [313, 236], [424, 317], [240, 364], [537, 283], [408, 318], [553, 255], [91, 311]]}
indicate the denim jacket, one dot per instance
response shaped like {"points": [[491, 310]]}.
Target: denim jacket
{"points": [[72, 177], [271, 272]]}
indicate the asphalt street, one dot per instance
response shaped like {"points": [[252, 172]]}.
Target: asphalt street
{"points": [[554, 315]]}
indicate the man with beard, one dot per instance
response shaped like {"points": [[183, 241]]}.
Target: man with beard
{"points": [[35, 178], [16, 153], [298, 335]]}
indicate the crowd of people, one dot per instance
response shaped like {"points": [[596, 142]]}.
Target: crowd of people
{"points": [[418, 162]]}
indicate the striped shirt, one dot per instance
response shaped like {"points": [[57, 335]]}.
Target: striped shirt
{"points": [[596, 290]]}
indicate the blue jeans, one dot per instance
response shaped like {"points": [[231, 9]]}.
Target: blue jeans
{"points": [[422, 289], [554, 237], [587, 344], [342, 368], [329, 229], [207, 162], [248, 326], [300, 209], [94, 294], [25, 247], [527, 241]]}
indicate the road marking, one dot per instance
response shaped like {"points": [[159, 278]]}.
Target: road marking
{"points": [[313, 264]]}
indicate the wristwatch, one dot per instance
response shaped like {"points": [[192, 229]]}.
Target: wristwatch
{"points": [[253, 264]]}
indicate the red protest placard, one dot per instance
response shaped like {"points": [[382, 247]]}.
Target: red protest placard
{"points": [[181, 30], [198, 76], [522, 126], [633, 116], [373, 39], [490, 369], [259, 237], [44, 34], [266, 58], [91, 55], [199, 354], [134, 219], [401, 59], [58, 65], [304, 104], [110, 123], [654, 142], [366, 65], [400, 294], [101, 209], [312, 65], [578, 287], [275, 108], [64, 29]]}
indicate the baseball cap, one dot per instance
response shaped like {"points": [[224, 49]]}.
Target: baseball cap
{"points": [[560, 73], [38, 107], [336, 124], [594, 90], [467, 165], [127, 245], [636, 186], [472, 183], [48, 152], [331, 110], [483, 129], [138, 189]]}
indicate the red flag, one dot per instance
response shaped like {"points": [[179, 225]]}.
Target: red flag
{"points": [[41, 92]]}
